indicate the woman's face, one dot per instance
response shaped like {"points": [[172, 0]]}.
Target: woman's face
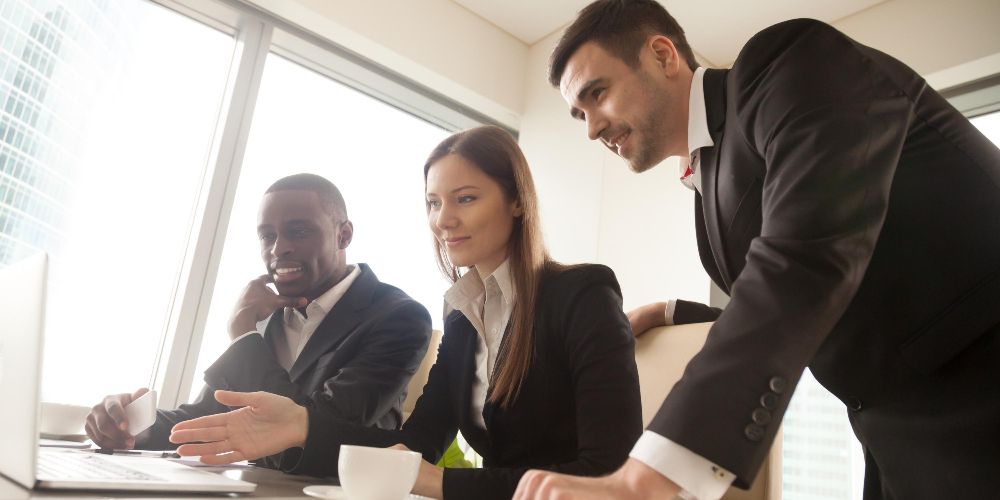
{"points": [[469, 214]]}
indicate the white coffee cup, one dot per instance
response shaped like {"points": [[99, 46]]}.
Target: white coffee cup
{"points": [[377, 473]]}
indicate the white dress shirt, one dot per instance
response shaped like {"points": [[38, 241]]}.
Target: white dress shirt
{"points": [[698, 477], [297, 328], [487, 302]]}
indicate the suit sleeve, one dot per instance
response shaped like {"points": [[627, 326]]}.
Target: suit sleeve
{"points": [[363, 390], [686, 312], [830, 128], [598, 344], [430, 429]]}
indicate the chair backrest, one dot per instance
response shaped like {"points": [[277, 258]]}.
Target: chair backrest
{"points": [[416, 387], [661, 355]]}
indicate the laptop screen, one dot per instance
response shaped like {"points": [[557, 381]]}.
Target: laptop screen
{"points": [[22, 299]]}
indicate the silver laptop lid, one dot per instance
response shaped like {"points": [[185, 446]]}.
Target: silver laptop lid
{"points": [[22, 299]]}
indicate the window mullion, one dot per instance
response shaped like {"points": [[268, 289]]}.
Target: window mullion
{"points": [[178, 355]]}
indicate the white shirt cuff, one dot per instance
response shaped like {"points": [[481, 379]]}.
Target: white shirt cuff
{"points": [[668, 314], [698, 478], [245, 335]]}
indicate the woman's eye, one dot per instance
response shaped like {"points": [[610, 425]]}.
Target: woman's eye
{"points": [[466, 198], [434, 204], [597, 92]]}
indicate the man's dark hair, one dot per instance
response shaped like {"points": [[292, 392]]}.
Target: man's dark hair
{"points": [[620, 27], [328, 193]]}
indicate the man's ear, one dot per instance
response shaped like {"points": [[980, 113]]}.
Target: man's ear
{"points": [[665, 53], [346, 234]]}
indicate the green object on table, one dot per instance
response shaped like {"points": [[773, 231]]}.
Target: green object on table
{"points": [[454, 458]]}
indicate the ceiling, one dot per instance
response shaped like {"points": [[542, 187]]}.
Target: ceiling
{"points": [[716, 29]]}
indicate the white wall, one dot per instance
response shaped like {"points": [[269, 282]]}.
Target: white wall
{"points": [[434, 42]]}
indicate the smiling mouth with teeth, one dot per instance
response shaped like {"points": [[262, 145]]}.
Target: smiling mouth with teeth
{"points": [[286, 270]]}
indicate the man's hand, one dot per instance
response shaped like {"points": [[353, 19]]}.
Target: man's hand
{"points": [[257, 303], [633, 481], [430, 479], [644, 318], [107, 425], [267, 424]]}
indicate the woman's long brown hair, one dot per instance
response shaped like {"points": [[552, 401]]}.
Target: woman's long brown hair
{"points": [[496, 153]]}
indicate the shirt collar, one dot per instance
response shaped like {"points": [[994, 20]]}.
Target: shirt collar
{"points": [[470, 288], [698, 136], [325, 303]]}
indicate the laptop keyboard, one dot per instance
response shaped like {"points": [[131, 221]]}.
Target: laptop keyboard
{"points": [[69, 466]]}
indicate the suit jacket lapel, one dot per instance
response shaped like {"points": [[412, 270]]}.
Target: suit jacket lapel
{"points": [[339, 322], [715, 106]]}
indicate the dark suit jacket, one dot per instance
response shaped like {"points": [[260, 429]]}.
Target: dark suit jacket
{"points": [[356, 365], [578, 411], [853, 216]]}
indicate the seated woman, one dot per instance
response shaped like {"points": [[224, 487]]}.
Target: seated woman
{"points": [[536, 367]]}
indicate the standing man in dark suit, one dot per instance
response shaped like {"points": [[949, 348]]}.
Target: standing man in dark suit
{"points": [[852, 215], [339, 338]]}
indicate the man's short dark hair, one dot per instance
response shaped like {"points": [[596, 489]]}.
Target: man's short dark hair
{"points": [[620, 27], [328, 193]]}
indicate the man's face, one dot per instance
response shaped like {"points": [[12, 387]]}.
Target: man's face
{"points": [[638, 113], [302, 243]]}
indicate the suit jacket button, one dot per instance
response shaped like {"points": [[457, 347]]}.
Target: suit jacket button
{"points": [[853, 403], [753, 432], [778, 384], [769, 401], [761, 416]]}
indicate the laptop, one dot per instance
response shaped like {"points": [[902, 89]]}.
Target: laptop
{"points": [[22, 307]]}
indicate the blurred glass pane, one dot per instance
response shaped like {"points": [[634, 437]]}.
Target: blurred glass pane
{"points": [[108, 111]]}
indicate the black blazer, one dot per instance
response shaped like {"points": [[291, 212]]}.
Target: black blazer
{"points": [[356, 365], [853, 216], [578, 411]]}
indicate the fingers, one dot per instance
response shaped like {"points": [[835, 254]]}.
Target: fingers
{"points": [[399, 446], [217, 420], [114, 408], [232, 398], [226, 458], [106, 424], [205, 449], [138, 394], [538, 485], [206, 435]]}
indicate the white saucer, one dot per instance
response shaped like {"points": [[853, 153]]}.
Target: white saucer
{"points": [[330, 492]]}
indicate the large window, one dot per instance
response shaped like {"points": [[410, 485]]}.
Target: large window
{"points": [[307, 122], [136, 140], [107, 121]]}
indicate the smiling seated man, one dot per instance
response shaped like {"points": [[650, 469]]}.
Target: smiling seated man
{"points": [[345, 342]]}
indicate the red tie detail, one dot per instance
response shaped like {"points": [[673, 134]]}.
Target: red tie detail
{"points": [[687, 173]]}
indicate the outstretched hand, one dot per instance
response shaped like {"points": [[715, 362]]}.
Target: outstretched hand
{"points": [[266, 424]]}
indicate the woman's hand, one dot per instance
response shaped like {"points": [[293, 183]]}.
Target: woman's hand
{"points": [[430, 479], [647, 317], [267, 424]]}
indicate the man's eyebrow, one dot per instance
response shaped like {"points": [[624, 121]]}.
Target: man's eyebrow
{"points": [[581, 94]]}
